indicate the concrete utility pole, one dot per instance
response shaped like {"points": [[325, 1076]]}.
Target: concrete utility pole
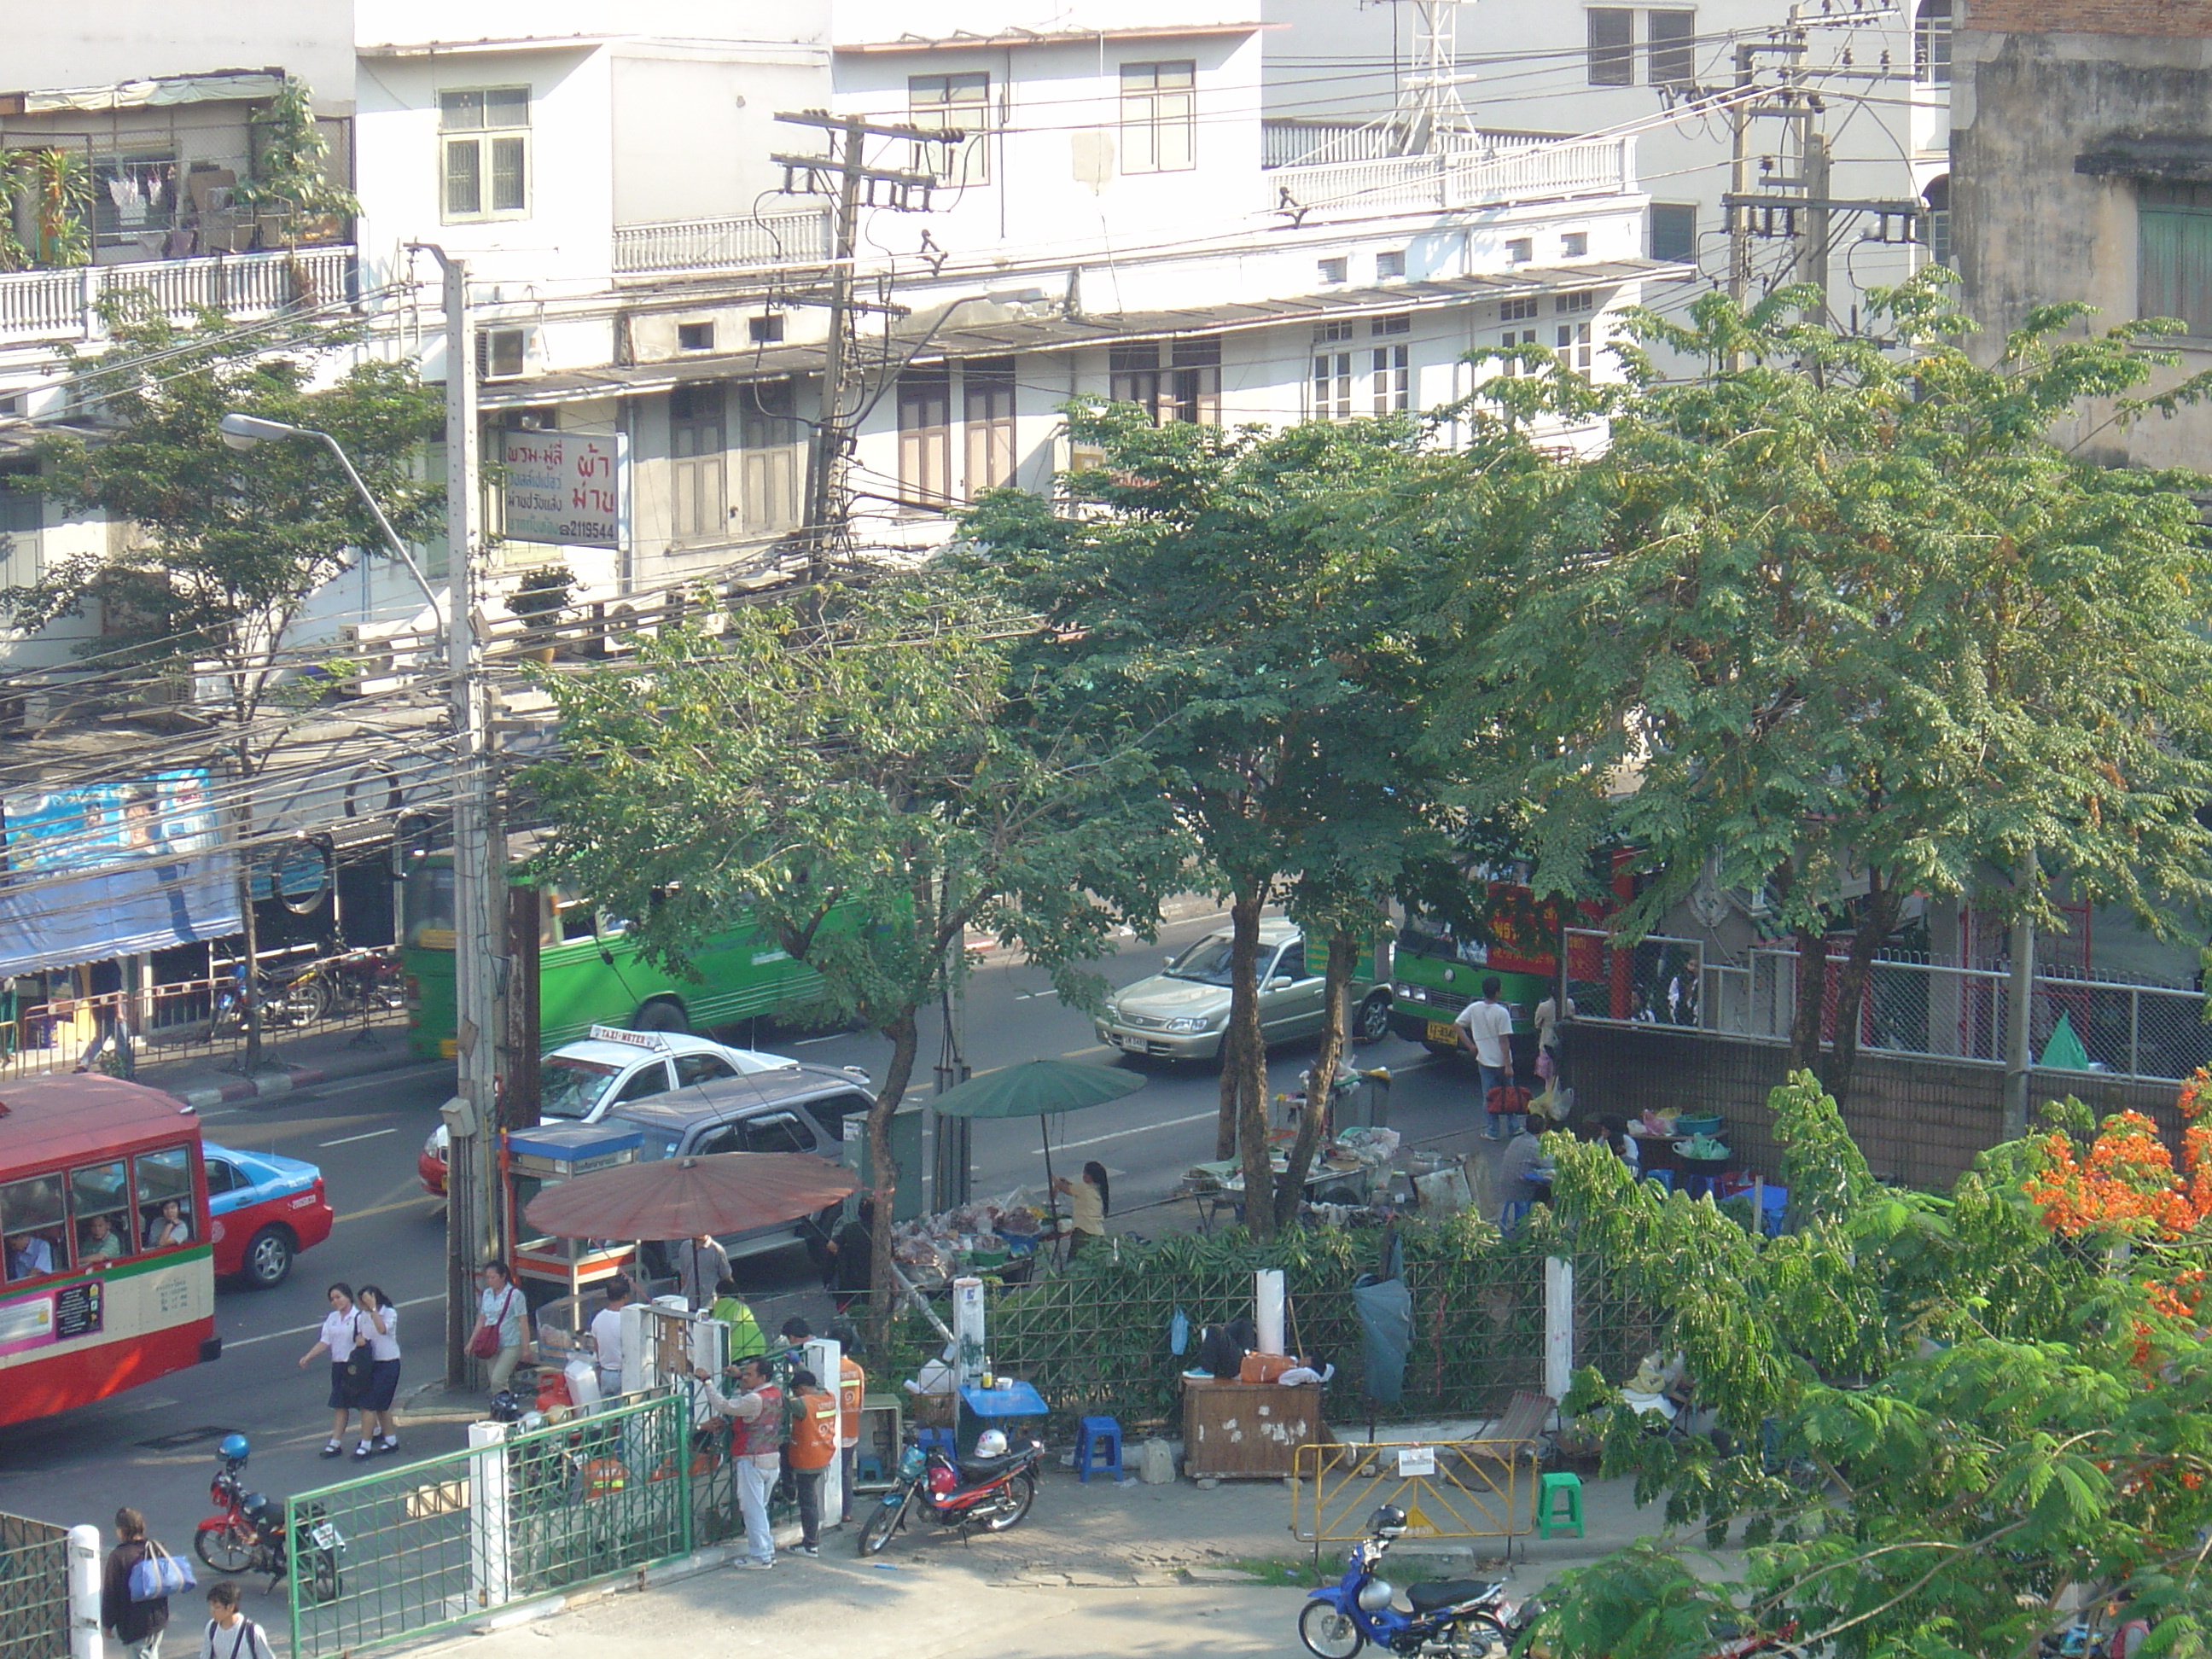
{"points": [[845, 175], [472, 1221]]}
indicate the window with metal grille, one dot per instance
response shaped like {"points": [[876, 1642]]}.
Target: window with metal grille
{"points": [[1511, 340], [1612, 46], [1520, 251], [483, 141], [986, 411], [1574, 245], [925, 430], [1390, 266], [1159, 116], [962, 103], [1670, 56], [1392, 379], [1337, 269], [1674, 231], [698, 504], [1931, 43], [2174, 224], [1332, 386], [1574, 345], [1193, 388], [1938, 197], [1133, 377], [1517, 309]]}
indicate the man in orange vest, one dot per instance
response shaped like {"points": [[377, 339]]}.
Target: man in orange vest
{"points": [[852, 1398], [755, 1442], [813, 1444]]}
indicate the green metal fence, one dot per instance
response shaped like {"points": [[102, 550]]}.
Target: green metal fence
{"points": [[407, 1550], [34, 1602]]}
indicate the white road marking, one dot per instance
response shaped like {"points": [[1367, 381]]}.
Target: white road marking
{"points": [[348, 1140], [302, 1330], [808, 1042], [1144, 1128]]}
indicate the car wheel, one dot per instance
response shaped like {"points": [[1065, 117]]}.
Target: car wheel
{"points": [[268, 1258], [1372, 1023], [663, 1014]]}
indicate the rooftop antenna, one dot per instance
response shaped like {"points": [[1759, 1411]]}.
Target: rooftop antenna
{"points": [[1428, 99]]}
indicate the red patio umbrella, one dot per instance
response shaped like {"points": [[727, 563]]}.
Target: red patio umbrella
{"points": [[684, 1197]]}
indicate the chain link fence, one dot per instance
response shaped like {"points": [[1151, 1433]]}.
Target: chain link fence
{"points": [[1096, 1341], [35, 1598], [2125, 1030]]}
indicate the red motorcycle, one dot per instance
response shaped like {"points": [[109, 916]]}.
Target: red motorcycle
{"points": [[248, 1534], [990, 1491]]}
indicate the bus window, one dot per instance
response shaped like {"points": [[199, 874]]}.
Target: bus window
{"points": [[30, 1221], [165, 1198], [429, 902], [99, 1206], [574, 919]]}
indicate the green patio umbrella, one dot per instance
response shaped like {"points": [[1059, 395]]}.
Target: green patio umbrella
{"points": [[1037, 1089]]}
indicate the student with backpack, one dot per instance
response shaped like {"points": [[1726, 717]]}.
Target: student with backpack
{"points": [[230, 1633]]}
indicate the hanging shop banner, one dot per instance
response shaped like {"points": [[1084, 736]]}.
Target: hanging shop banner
{"points": [[563, 488], [113, 869]]}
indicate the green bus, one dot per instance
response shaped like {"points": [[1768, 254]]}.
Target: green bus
{"points": [[590, 973], [1436, 970]]}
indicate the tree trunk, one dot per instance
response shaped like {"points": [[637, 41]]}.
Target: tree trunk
{"points": [[1877, 924], [1224, 1125], [882, 1295], [1249, 1059], [1343, 957], [1812, 993]]}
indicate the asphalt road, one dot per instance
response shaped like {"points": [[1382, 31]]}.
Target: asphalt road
{"points": [[153, 1448]]}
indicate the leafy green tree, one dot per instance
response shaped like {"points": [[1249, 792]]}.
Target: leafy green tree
{"points": [[864, 780], [1851, 621], [225, 550], [1265, 606], [1934, 1423]]}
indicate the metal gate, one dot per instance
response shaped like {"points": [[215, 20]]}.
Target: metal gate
{"points": [[35, 1597], [1448, 1489]]}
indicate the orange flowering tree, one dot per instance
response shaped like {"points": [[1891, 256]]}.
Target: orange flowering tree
{"points": [[1932, 1424]]}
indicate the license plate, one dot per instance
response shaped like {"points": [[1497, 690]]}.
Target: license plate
{"points": [[1443, 1030], [325, 1536]]}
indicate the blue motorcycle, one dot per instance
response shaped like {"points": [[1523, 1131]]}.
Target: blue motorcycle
{"points": [[1452, 1618]]}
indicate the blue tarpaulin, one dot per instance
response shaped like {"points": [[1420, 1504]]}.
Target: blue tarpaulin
{"points": [[117, 912]]}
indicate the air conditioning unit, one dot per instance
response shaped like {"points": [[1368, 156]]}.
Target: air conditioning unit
{"points": [[503, 354]]}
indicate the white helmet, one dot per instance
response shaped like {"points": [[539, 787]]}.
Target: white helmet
{"points": [[992, 1442]]}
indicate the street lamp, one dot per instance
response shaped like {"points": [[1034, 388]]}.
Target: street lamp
{"points": [[242, 432]]}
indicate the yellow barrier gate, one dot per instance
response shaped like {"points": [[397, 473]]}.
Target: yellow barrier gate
{"points": [[1448, 1489]]}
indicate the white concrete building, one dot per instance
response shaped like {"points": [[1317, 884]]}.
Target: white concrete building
{"points": [[1874, 77], [1117, 224]]}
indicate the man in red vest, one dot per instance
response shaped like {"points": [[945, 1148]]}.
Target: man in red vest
{"points": [[756, 1450], [813, 1447]]}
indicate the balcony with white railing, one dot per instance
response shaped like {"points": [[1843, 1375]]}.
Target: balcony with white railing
{"points": [[41, 306], [1291, 142], [1475, 175], [731, 242]]}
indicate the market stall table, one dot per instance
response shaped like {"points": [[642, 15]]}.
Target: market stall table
{"points": [[996, 1407]]}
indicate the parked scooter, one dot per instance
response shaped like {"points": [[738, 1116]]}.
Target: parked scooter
{"points": [[991, 1491], [248, 1535], [1451, 1618]]}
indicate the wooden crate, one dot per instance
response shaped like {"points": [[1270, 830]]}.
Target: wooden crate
{"points": [[1247, 1430]]}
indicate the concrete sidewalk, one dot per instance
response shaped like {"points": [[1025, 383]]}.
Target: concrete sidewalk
{"points": [[290, 1063], [1097, 1570]]}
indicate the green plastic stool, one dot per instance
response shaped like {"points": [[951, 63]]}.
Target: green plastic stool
{"points": [[1549, 1490]]}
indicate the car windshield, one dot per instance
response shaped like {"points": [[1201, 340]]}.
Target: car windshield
{"points": [[1206, 962], [570, 1088]]}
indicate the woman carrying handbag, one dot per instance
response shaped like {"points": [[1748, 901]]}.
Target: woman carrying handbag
{"points": [[351, 1366], [501, 1331]]}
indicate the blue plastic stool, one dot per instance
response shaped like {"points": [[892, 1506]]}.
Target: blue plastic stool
{"points": [[868, 1466], [1093, 1430]]}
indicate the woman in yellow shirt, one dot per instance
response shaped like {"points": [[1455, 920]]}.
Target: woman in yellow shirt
{"points": [[1089, 1202]]}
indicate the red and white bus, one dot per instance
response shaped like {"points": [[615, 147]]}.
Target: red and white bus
{"points": [[106, 1276]]}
